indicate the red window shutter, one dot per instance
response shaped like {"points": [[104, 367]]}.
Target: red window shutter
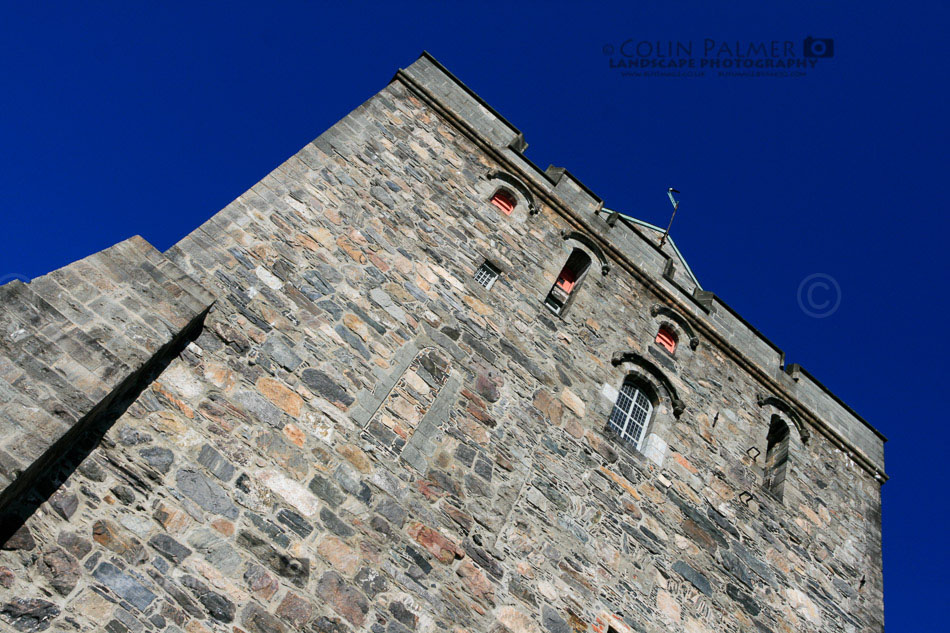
{"points": [[504, 202], [666, 339], [566, 280]]}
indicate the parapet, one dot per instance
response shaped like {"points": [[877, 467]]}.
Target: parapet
{"points": [[634, 247]]}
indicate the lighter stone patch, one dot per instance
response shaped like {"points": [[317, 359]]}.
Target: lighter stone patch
{"points": [[516, 621], [609, 393], [292, 492], [386, 482], [804, 605], [383, 300], [268, 278], [320, 426], [573, 402], [341, 556], [182, 381], [695, 626], [548, 590], [92, 605], [417, 383], [726, 510], [213, 575], [138, 525], [655, 448], [668, 605]]}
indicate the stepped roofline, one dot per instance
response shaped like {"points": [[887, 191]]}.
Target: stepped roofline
{"points": [[164, 321], [627, 242]]}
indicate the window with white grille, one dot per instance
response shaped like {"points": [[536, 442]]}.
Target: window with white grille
{"points": [[631, 414], [486, 275]]}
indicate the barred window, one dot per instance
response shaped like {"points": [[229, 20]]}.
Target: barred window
{"points": [[486, 275], [631, 414]]}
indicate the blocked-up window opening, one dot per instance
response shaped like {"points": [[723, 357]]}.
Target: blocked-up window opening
{"points": [[776, 457], [504, 201], [486, 275], [567, 280], [631, 413], [403, 408], [666, 339]]}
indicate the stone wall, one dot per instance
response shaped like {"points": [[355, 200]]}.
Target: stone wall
{"points": [[74, 342], [362, 438]]}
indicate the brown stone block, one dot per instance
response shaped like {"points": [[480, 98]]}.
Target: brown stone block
{"points": [[343, 598], [436, 544], [165, 394], [61, 569], [340, 555], [112, 537], [682, 461], [621, 481], [295, 434], [260, 582], [476, 582], [357, 457], [174, 520], [549, 407], [282, 396], [573, 402], [351, 249], [699, 536], [295, 610]]}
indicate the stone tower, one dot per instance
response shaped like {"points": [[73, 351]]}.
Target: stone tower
{"points": [[412, 382]]}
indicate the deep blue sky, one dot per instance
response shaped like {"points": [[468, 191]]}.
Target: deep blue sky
{"points": [[116, 121]]}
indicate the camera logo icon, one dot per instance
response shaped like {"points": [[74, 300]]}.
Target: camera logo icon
{"points": [[818, 47]]}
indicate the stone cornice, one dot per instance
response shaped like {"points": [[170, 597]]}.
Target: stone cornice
{"points": [[509, 156]]}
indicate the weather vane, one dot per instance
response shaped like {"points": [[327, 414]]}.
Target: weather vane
{"points": [[676, 205]]}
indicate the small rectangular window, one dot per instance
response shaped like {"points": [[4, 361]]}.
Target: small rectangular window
{"points": [[486, 275], [504, 201]]}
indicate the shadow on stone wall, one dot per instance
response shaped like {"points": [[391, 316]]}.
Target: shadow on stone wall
{"points": [[37, 484]]}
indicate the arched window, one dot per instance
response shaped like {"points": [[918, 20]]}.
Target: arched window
{"points": [[504, 201], [567, 280], [631, 413], [776, 457], [666, 339]]}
